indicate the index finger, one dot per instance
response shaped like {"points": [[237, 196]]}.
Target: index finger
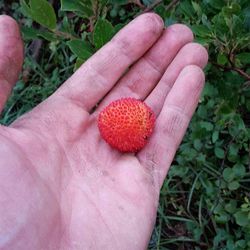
{"points": [[100, 73]]}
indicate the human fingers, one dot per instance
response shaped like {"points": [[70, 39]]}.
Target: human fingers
{"points": [[190, 54], [100, 73], [144, 74], [172, 122]]}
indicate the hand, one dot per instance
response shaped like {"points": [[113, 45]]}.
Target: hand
{"points": [[61, 185]]}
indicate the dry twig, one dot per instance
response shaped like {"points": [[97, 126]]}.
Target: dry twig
{"points": [[239, 71], [156, 3]]}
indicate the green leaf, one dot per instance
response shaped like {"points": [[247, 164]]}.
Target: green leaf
{"points": [[228, 174], [43, 13], [232, 9], [239, 170], [234, 185], [222, 218], [201, 30], [103, 2], [83, 8], [25, 7], [218, 4], [70, 5], [244, 57], [241, 218], [47, 35], [234, 149], [177, 170], [103, 32], [161, 11], [29, 33], [236, 8], [197, 232], [222, 59], [207, 125], [231, 206], [219, 152], [221, 235], [78, 63], [198, 144], [187, 9], [80, 48], [197, 8], [241, 243], [215, 136], [40, 11]]}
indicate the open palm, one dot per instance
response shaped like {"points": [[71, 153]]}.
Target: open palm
{"points": [[61, 185]]}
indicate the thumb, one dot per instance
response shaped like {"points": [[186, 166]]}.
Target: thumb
{"points": [[11, 56]]}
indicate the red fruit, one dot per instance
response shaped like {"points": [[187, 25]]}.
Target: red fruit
{"points": [[126, 124]]}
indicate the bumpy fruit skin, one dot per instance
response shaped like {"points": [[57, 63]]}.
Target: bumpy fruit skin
{"points": [[126, 124]]}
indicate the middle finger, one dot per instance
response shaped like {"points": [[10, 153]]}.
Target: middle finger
{"points": [[144, 75]]}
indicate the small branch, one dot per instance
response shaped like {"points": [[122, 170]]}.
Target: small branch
{"points": [[242, 73], [152, 6], [245, 86], [64, 34], [91, 23], [230, 57], [137, 2], [156, 3], [239, 71], [35, 51], [174, 2]]}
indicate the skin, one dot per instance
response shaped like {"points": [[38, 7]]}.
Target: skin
{"points": [[61, 185]]}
